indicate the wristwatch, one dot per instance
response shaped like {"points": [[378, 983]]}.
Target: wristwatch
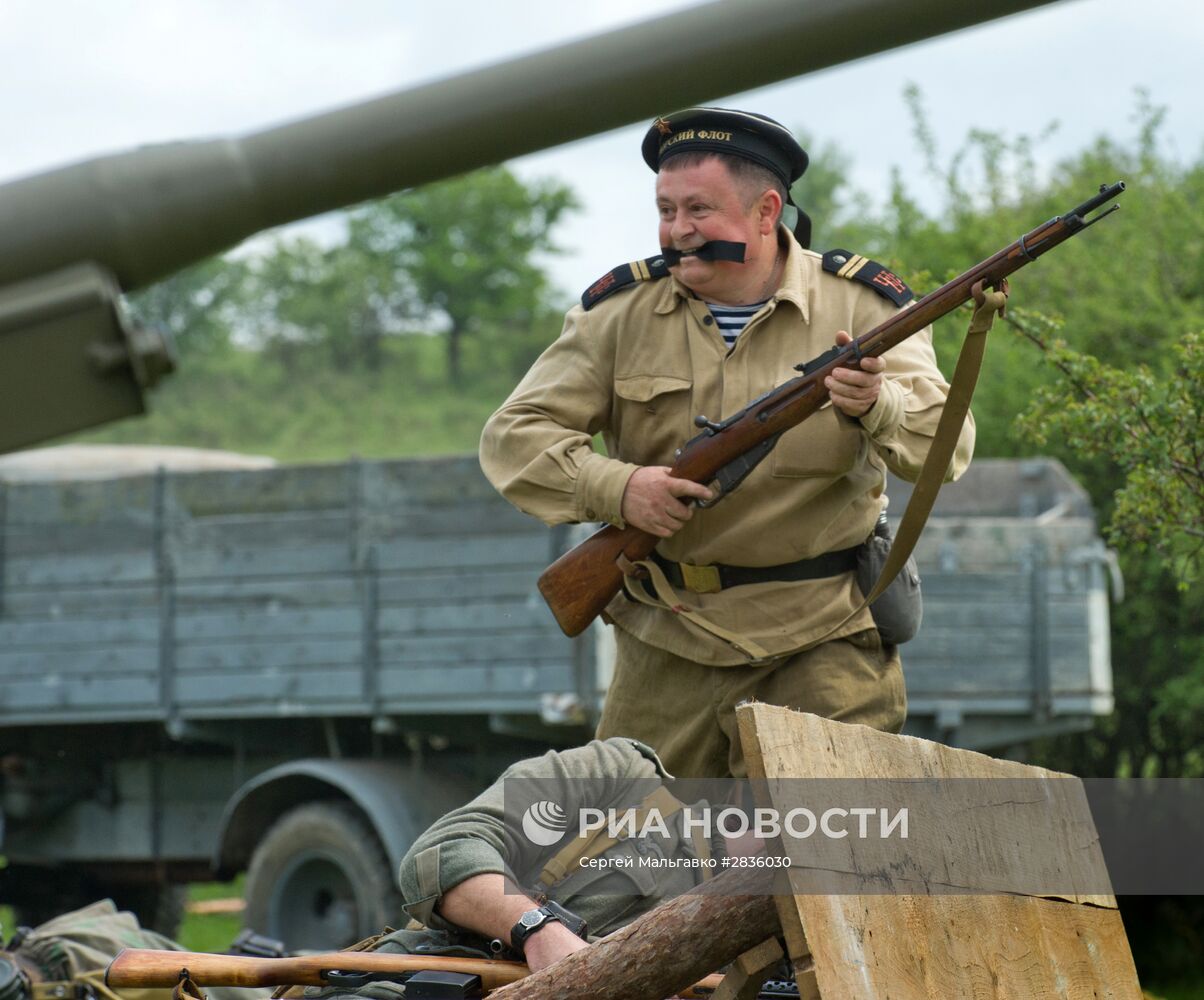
{"points": [[533, 920], [528, 924]]}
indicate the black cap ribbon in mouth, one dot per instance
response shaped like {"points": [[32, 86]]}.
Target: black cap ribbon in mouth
{"points": [[714, 250]]}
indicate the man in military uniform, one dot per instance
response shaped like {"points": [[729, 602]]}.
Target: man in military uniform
{"points": [[723, 314], [475, 877]]}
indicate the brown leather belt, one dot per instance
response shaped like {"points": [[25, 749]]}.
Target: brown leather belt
{"points": [[712, 579]]}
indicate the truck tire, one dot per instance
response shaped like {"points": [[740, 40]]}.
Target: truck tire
{"points": [[319, 879]]}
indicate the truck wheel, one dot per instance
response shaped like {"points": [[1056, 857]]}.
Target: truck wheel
{"points": [[319, 879]]}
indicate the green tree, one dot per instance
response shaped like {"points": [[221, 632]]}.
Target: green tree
{"points": [[469, 249], [1105, 374], [341, 301]]}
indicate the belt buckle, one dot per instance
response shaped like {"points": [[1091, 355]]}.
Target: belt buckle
{"points": [[701, 579]]}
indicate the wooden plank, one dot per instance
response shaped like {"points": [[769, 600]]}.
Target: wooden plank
{"points": [[67, 538], [937, 663], [78, 665], [426, 586], [70, 600], [272, 693], [267, 593], [97, 696], [281, 490], [40, 636], [248, 657], [463, 617], [258, 623], [295, 529], [72, 570], [51, 504], [967, 947], [484, 517], [971, 609], [496, 677], [443, 552], [1000, 587], [443, 482], [906, 945], [983, 855], [232, 563], [521, 647]]}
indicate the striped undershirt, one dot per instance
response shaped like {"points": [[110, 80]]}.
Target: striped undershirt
{"points": [[731, 320]]}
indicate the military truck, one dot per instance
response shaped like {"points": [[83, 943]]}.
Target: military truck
{"points": [[291, 670]]}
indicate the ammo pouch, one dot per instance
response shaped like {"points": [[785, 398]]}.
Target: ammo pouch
{"points": [[899, 609]]}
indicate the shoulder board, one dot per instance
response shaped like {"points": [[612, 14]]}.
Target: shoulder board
{"points": [[622, 276], [853, 266]]}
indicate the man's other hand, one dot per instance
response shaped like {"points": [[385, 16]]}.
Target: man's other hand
{"points": [[652, 501], [855, 391]]}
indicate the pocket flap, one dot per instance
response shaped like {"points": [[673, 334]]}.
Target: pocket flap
{"points": [[641, 388]]}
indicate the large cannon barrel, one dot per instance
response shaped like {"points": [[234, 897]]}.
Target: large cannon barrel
{"points": [[73, 239], [147, 213]]}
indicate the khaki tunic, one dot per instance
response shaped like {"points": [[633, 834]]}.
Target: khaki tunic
{"points": [[639, 366]]}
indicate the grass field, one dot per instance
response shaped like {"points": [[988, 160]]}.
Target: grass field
{"points": [[211, 931], [254, 404]]}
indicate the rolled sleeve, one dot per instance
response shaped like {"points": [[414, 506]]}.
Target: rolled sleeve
{"points": [[429, 872]]}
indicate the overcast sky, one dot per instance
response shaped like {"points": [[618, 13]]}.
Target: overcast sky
{"points": [[82, 78]]}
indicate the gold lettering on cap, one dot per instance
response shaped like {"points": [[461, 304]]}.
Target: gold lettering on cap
{"points": [[680, 137]]}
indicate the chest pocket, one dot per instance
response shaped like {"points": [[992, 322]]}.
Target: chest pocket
{"points": [[822, 445], [652, 417]]}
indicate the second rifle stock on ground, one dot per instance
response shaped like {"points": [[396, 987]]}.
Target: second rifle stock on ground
{"points": [[579, 585]]}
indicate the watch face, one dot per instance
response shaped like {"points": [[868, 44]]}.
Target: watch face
{"points": [[532, 918]]}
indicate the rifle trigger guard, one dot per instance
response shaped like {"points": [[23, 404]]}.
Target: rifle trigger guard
{"points": [[354, 980]]}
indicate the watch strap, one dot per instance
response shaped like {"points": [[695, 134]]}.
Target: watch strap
{"points": [[528, 925]]}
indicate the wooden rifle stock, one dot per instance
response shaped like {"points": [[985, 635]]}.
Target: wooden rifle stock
{"points": [[145, 968], [579, 585]]}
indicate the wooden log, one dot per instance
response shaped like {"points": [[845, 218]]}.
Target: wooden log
{"points": [[665, 950]]}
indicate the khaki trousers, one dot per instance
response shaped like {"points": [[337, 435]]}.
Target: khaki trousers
{"points": [[687, 711]]}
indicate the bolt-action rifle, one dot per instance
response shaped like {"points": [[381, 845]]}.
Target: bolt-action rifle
{"points": [[425, 976], [580, 584]]}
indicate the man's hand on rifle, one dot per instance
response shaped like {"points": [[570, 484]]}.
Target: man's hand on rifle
{"points": [[854, 392], [652, 501]]}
